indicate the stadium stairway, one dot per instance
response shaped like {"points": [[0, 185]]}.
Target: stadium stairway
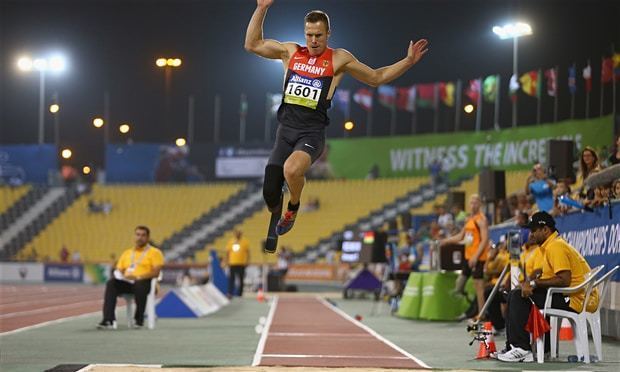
{"points": [[34, 219], [212, 224], [17, 201]]}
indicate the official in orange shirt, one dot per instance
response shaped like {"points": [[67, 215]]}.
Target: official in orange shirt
{"points": [[475, 237], [237, 258], [134, 270]]}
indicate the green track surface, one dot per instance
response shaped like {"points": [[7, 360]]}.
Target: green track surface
{"points": [[224, 338], [227, 338]]}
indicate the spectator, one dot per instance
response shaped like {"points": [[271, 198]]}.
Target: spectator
{"points": [[497, 260], [459, 215], [237, 258], [134, 271], [284, 259], [76, 257], [614, 158], [615, 190], [562, 266], [475, 237], [444, 218], [588, 163], [64, 254], [373, 173], [541, 187], [562, 189]]}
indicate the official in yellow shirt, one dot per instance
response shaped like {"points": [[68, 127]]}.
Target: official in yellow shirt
{"points": [[237, 258], [134, 271], [497, 260], [562, 266]]}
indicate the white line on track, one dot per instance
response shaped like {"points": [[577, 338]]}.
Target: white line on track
{"points": [[49, 308], [372, 332], [55, 321], [91, 366], [333, 356], [263, 337]]}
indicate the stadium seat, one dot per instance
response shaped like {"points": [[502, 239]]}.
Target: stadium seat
{"points": [[342, 202], [577, 320], [10, 195], [594, 318], [165, 209], [150, 304]]}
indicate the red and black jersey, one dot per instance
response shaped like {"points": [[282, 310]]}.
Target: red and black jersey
{"points": [[306, 85]]}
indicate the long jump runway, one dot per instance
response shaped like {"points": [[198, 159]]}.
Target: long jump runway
{"points": [[311, 332]]}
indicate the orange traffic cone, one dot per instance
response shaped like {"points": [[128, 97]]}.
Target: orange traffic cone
{"points": [[566, 331], [484, 351], [260, 296]]}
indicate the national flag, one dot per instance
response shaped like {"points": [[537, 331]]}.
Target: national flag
{"points": [[616, 60], [387, 95], [405, 98], [552, 86], [572, 79], [607, 70], [342, 100], [529, 83], [513, 87], [490, 88], [536, 323], [425, 95], [587, 76], [473, 91], [446, 93], [363, 97]]}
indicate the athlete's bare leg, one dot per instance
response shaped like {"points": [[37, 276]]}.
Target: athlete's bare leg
{"points": [[295, 169]]}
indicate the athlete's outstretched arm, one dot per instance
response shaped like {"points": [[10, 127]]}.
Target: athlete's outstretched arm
{"points": [[254, 41], [383, 75]]}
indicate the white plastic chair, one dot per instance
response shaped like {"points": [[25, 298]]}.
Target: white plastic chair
{"points": [[594, 318], [150, 304], [578, 320]]}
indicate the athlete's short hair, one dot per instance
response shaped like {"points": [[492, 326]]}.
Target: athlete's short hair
{"points": [[145, 229], [317, 16]]}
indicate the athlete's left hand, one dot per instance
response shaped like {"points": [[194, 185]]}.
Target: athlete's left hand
{"points": [[417, 50]]}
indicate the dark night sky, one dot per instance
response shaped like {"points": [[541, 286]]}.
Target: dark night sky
{"points": [[112, 46]]}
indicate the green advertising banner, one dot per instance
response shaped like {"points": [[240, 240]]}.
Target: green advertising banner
{"points": [[411, 301], [462, 153]]}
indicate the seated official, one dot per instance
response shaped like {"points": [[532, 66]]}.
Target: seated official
{"points": [[496, 261], [134, 271], [562, 266]]}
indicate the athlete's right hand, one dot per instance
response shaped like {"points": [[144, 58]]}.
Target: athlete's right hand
{"points": [[264, 3]]}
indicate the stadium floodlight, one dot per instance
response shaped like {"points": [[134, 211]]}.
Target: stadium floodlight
{"points": [[86, 169], [24, 63], [160, 62], [54, 108], [66, 154], [98, 122], [180, 142], [55, 63], [124, 128], [513, 31]]}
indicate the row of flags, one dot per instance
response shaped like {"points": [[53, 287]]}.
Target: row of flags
{"points": [[429, 95]]}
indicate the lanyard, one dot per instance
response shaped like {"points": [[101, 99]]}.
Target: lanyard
{"points": [[133, 256]]}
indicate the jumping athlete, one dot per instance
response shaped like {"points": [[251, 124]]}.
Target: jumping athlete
{"points": [[312, 73]]}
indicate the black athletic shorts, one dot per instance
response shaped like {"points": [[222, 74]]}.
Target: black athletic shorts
{"points": [[476, 273], [290, 139]]}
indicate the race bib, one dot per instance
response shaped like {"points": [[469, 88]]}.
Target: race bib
{"points": [[469, 239], [303, 91]]}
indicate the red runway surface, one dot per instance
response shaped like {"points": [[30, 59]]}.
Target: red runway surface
{"points": [[309, 332], [28, 305]]}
